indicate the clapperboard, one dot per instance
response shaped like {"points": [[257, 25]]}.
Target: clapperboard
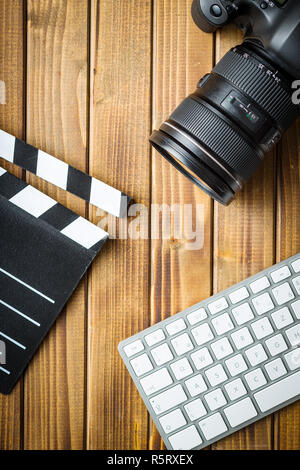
{"points": [[45, 249]]}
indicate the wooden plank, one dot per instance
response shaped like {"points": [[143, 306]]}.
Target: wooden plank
{"points": [[244, 245], [288, 243], [11, 120], [119, 282], [180, 277], [54, 402]]}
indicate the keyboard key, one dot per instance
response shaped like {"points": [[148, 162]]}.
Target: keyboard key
{"points": [[278, 393], [196, 385], [242, 314], [215, 399], [242, 338], [195, 409], [280, 274], [181, 368], [262, 328], [133, 348], [216, 375], [202, 334], [172, 421], [283, 293], [296, 282], [282, 318], [256, 355], [182, 344], [221, 348], [239, 295], [168, 399], [201, 358], [260, 284], [222, 324], [176, 327], [293, 335], [240, 412], [236, 365], [162, 354], [296, 265], [196, 316], [255, 379], [293, 359], [276, 345], [213, 426], [218, 305], [155, 337], [235, 389], [263, 303], [157, 381], [185, 440], [275, 369], [141, 365], [296, 308]]}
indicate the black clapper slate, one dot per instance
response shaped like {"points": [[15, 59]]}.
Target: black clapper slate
{"points": [[40, 267]]}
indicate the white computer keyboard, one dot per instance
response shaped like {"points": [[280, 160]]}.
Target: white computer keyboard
{"points": [[223, 363]]}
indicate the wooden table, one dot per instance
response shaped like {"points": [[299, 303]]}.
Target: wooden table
{"points": [[87, 81]]}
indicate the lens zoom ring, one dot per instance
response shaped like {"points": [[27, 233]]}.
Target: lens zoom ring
{"points": [[262, 88], [217, 135]]}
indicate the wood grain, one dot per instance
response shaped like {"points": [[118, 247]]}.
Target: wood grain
{"points": [[54, 398], [182, 55], [119, 281], [287, 422], [244, 245], [12, 120]]}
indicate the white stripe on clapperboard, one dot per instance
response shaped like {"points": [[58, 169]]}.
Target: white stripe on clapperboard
{"points": [[27, 286], [33, 201], [19, 313], [12, 340], [5, 370]]}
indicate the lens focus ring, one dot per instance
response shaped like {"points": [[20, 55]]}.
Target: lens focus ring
{"points": [[217, 136], [247, 75]]}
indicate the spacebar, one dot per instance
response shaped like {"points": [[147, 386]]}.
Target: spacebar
{"points": [[278, 393]]}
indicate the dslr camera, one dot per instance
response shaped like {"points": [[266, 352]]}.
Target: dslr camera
{"points": [[218, 135]]}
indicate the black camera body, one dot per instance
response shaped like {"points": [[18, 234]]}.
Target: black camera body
{"points": [[218, 136], [275, 25]]}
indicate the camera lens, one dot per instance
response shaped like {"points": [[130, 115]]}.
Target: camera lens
{"points": [[218, 135]]}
